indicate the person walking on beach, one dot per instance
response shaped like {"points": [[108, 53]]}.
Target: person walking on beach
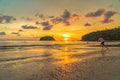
{"points": [[102, 43]]}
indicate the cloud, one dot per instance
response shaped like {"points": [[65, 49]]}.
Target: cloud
{"points": [[1, 19], [57, 20], [47, 25], [66, 15], [97, 13], [29, 27], [108, 15], [20, 30], [46, 28], [66, 18], [37, 22], [51, 16], [75, 17], [6, 18], [102, 12], [87, 24], [26, 18], [15, 33], [2, 33], [41, 16]]}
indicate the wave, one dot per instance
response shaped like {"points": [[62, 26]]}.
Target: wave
{"points": [[6, 46]]}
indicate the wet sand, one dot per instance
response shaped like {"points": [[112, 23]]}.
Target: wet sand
{"points": [[94, 65]]}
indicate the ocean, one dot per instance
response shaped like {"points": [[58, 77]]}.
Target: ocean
{"points": [[48, 60], [11, 51]]}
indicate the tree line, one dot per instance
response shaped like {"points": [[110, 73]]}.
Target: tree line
{"points": [[109, 34]]}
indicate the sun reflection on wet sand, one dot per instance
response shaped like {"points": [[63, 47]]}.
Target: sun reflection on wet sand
{"points": [[63, 61], [66, 56]]}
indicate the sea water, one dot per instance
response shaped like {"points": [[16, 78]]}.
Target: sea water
{"points": [[48, 60], [12, 51]]}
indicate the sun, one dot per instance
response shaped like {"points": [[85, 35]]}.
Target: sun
{"points": [[66, 39], [66, 36]]}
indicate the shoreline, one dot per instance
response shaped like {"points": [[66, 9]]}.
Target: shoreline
{"points": [[89, 66], [106, 45]]}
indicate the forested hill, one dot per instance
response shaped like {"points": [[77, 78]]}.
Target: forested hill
{"points": [[109, 34]]}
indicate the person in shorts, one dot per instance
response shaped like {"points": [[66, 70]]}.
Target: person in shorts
{"points": [[102, 43]]}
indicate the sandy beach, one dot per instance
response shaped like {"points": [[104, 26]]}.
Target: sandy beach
{"points": [[69, 64]]}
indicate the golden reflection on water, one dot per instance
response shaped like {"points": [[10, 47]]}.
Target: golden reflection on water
{"points": [[64, 55], [66, 59], [67, 54]]}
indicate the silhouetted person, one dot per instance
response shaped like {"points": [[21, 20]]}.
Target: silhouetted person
{"points": [[102, 43]]}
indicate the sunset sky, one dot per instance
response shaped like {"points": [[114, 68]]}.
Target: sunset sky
{"points": [[36, 18]]}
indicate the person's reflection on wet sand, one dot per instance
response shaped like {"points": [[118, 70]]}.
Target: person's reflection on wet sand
{"points": [[103, 53]]}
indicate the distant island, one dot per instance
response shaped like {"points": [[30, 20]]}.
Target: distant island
{"points": [[47, 38], [109, 34]]}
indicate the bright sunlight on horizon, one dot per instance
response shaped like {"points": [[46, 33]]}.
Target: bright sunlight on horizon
{"points": [[31, 19]]}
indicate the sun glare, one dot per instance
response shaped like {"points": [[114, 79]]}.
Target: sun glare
{"points": [[66, 36]]}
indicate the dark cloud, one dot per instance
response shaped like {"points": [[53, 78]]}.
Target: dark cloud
{"points": [[15, 33], [51, 16], [6, 18], [57, 20], [2, 33], [41, 16], [47, 25], [87, 24], [97, 13], [20, 30], [46, 28], [108, 15], [102, 12], [1, 19], [66, 14], [65, 18], [66, 22], [28, 19], [29, 27], [48, 22], [37, 22]]}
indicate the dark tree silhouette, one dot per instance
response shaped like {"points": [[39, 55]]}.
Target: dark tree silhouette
{"points": [[47, 38], [109, 34]]}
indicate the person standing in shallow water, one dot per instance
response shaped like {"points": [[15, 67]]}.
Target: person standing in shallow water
{"points": [[102, 43]]}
